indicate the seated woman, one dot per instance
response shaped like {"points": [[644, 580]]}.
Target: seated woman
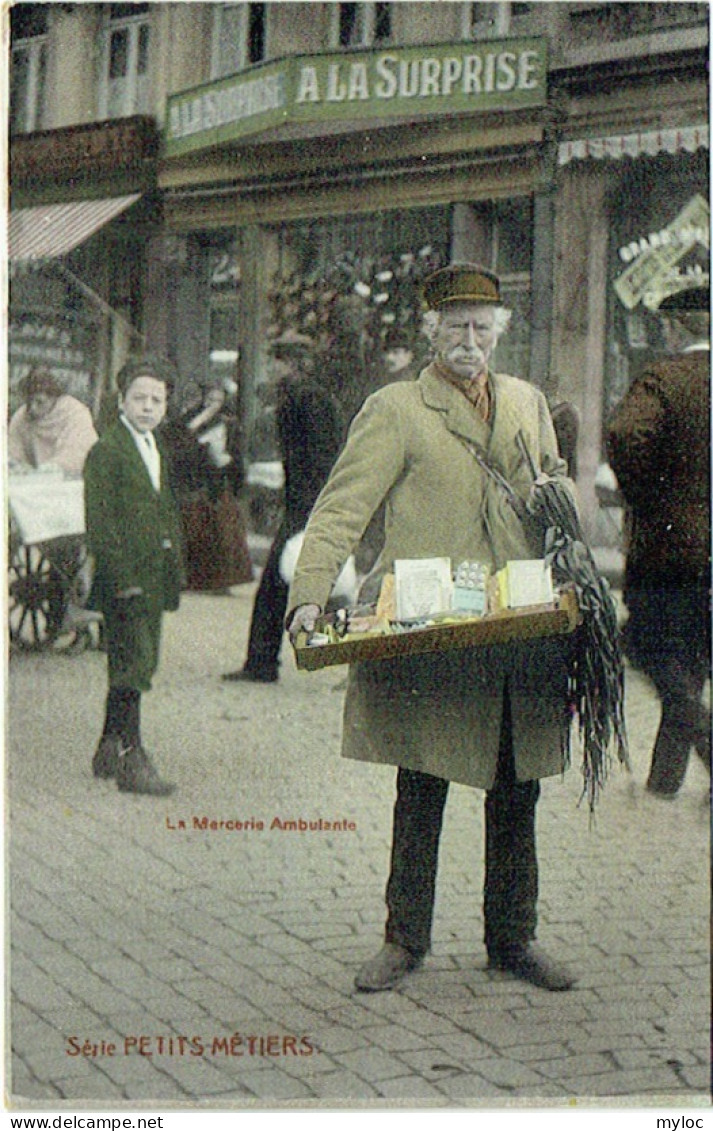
{"points": [[50, 428], [54, 430]]}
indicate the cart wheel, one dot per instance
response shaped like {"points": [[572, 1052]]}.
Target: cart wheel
{"points": [[37, 599]]}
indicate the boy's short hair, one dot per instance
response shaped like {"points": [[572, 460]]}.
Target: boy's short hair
{"points": [[146, 365]]}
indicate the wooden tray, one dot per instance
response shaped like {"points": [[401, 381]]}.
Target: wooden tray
{"points": [[497, 628]]}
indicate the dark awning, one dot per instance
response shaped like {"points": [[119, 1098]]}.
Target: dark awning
{"points": [[53, 230]]}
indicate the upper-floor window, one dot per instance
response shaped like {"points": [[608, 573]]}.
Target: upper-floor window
{"points": [[493, 17], [125, 86], [362, 24], [239, 37], [28, 31]]}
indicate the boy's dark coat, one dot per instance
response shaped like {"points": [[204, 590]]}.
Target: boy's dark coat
{"points": [[128, 525]]}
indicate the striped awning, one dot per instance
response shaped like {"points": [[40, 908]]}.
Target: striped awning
{"points": [[687, 139], [52, 230]]}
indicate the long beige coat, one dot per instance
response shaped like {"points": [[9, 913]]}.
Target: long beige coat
{"points": [[441, 713]]}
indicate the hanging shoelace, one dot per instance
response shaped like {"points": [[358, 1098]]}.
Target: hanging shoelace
{"points": [[597, 671]]}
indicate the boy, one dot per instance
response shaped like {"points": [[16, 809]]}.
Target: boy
{"points": [[133, 533]]}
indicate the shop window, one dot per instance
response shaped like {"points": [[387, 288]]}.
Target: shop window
{"points": [[125, 89], [28, 29], [499, 235], [661, 245], [362, 24], [239, 37]]}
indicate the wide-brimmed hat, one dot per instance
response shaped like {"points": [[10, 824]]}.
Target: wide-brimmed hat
{"points": [[461, 282], [687, 300]]}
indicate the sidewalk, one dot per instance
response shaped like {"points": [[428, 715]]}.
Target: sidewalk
{"points": [[160, 962]]}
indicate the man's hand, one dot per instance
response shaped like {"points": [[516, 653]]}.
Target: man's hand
{"points": [[304, 619], [534, 501]]}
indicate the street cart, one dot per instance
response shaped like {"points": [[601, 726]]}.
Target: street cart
{"points": [[47, 560]]}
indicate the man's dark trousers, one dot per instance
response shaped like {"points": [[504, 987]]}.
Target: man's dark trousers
{"points": [[267, 624], [511, 879], [670, 640]]}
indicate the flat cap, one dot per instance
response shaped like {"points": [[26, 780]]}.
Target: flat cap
{"points": [[461, 282], [687, 299]]}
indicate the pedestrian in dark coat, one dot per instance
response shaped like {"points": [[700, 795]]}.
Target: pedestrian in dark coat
{"points": [[205, 479], [491, 717], [133, 534], [310, 433], [659, 442]]}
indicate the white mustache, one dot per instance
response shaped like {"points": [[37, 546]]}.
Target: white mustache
{"points": [[466, 354]]}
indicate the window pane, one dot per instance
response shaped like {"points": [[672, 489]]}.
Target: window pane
{"points": [[143, 51], [27, 20], [347, 24], [489, 17], [382, 22], [142, 103], [19, 82], [126, 11], [40, 89], [256, 33], [116, 99], [118, 53], [514, 221], [227, 43], [483, 13]]}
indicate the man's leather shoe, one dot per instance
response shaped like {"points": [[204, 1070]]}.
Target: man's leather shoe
{"points": [[106, 757], [531, 965], [136, 774], [249, 676], [386, 969]]}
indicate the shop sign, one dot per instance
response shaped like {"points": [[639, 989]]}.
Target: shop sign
{"points": [[401, 82], [685, 238], [648, 272], [99, 150]]}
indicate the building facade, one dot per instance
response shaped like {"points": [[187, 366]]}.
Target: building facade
{"points": [[294, 167]]}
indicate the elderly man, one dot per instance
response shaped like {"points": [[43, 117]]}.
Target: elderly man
{"points": [[659, 440], [490, 717], [50, 428]]}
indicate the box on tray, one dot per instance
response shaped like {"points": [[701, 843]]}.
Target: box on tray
{"points": [[477, 616]]}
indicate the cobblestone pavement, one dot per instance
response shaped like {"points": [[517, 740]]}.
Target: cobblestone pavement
{"points": [[213, 967]]}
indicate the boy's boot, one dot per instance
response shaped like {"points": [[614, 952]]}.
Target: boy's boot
{"points": [[137, 774], [106, 756]]}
